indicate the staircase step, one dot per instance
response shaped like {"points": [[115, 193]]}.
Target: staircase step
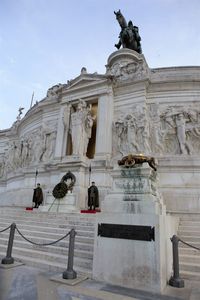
{"points": [[60, 247], [61, 251], [47, 226], [190, 275], [191, 267], [42, 227], [47, 265], [38, 238], [50, 231], [189, 258], [188, 239], [49, 257], [189, 223], [188, 251], [189, 227], [189, 233], [46, 221]]}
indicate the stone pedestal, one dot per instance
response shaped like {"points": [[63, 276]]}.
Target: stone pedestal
{"points": [[135, 190], [132, 262], [66, 204]]}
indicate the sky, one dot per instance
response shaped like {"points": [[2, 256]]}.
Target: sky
{"points": [[45, 42]]}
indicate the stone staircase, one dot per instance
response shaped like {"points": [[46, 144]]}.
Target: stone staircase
{"points": [[189, 258], [42, 228]]}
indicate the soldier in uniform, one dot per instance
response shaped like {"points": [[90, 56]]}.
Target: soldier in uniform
{"points": [[37, 196], [93, 196]]}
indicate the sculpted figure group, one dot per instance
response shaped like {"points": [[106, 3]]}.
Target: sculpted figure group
{"points": [[174, 130], [39, 145], [28, 150], [131, 132]]}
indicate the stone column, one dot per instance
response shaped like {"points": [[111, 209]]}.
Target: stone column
{"points": [[104, 126]]}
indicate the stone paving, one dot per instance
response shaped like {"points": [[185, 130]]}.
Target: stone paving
{"points": [[28, 283]]}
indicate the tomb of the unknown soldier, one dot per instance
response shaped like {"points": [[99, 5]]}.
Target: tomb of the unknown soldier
{"points": [[107, 166]]}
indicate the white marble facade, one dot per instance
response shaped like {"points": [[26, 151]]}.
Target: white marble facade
{"points": [[96, 119]]}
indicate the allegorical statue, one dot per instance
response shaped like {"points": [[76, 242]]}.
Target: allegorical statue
{"points": [[129, 36], [81, 127]]}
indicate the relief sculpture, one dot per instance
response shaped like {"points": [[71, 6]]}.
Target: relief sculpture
{"points": [[131, 132], [181, 127], [160, 130]]}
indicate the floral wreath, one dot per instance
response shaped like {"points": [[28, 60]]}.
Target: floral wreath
{"points": [[61, 189]]}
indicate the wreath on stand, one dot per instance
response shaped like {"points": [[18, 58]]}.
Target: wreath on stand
{"points": [[61, 189]]}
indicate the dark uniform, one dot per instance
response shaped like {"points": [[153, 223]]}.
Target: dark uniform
{"points": [[37, 196], [93, 196]]}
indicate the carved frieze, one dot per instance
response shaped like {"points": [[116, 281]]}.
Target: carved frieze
{"points": [[169, 130], [131, 132], [126, 70]]}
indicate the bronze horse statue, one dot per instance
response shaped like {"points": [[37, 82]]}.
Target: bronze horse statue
{"points": [[129, 36]]}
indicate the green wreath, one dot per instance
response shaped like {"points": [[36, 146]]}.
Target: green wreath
{"points": [[60, 190]]}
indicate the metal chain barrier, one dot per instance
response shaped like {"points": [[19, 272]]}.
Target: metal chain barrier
{"points": [[5, 229], [175, 280], [188, 244], [8, 259], [44, 244], [69, 273]]}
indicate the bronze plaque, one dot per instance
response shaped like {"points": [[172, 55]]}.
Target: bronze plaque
{"points": [[129, 232]]}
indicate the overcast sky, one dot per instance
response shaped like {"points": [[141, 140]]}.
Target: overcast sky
{"points": [[45, 42]]}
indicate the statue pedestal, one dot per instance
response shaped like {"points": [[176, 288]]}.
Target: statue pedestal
{"points": [[135, 190], [133, 224], [65, 204]]}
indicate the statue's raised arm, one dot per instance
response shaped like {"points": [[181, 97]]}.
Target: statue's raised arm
{"points": [[129, 36]]}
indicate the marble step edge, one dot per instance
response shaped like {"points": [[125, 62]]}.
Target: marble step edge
{"points": [[59, 232], [82, 254], [50, 266], [23, 210], [64, 245], [195, 244], [47, 221], [190, 222], [84, 262], [48, 215], [189, 230], [194, 234], [41, 241], [185, 237], [188, 251], [189, 258], [44, 239], [48, 224], [189, 275], [189, 266]]}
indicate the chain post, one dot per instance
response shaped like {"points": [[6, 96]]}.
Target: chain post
{"points": [[9, 259], [70, 273], [175, 280]]}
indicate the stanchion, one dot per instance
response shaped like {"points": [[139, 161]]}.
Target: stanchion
{"points": [[9, 259], [175, 280], [70, 273]]}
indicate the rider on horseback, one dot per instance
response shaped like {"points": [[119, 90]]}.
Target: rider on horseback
{"points": [[129, 36]]}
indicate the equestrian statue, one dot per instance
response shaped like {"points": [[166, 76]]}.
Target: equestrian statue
{"points": [[129, 36]]}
